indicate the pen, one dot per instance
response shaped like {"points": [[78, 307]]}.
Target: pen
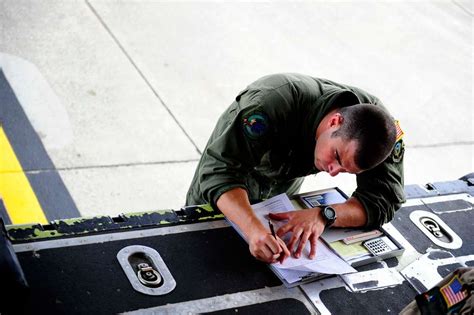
{"points": [[272, 229]]}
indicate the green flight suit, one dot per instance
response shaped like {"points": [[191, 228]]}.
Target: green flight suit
{"points": [[264, 142]]}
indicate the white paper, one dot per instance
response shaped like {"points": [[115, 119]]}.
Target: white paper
{"points": [[326, 261], [291, 276]]}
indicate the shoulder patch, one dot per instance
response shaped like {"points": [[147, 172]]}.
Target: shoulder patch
{"points": [[398, 151], [255, 125], [400, 132]]}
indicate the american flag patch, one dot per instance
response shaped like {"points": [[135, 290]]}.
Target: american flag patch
{"points": [[400, 132], [453, 292]]}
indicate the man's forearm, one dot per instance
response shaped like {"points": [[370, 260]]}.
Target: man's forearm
{"points": [[235, 205], [350, 213]]}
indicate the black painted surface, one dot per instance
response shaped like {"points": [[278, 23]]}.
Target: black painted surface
{"points": [[283, 307], [461, 222], [371, 266], [47, 184], [434, 255], [390, 262], [418, 285], [53, 195], [387, 301], [89, 280], [445, 270], [409, 230]]}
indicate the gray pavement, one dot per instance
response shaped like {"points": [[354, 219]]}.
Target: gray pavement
{"points": [[124, 94]]}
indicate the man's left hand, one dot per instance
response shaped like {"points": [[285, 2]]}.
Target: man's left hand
{"points": [[305, 225]]}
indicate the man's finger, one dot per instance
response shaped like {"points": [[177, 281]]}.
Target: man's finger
{"points": [[275, 258], [294, 239], [264, 254], [273, 244], [284, 229], [285, 254], [279, 216], [313, 241], [304, 238]]}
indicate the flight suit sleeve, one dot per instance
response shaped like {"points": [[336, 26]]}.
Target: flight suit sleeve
{"points": [[380, 189], [243, 136]]}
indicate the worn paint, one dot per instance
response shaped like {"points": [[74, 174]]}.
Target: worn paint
{"points": [[212, 217], [138, 214], [44, 234], [80, 226], [207, 207], [74, 221]]}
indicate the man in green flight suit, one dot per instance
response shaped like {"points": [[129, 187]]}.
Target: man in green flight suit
{"points": [[284, 127]]}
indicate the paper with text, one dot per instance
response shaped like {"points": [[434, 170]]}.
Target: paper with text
{"points": [[326, 261]]}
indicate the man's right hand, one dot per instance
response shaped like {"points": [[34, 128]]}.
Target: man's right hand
{"points": [[236, 207], [265, 247]]}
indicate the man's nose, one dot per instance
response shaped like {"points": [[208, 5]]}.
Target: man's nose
{"points": [[334, 169]]}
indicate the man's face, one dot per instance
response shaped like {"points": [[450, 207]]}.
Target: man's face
{"points": [[334, 155]]}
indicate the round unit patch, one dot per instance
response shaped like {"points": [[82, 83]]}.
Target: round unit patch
{"points": [[398, 151], [255, 125]]}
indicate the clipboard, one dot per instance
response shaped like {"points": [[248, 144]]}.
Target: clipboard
{"points": [[304, 277]]}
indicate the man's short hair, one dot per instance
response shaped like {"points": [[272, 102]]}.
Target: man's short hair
{"points": [[373, 128]]}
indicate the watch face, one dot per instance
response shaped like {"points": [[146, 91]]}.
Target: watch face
{"points": [[329, 213]]}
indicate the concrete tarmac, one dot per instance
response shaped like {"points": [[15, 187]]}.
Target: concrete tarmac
{"points": [[124, 94]]}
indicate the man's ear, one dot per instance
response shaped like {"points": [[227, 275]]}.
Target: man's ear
{"points": [[336, 120]]}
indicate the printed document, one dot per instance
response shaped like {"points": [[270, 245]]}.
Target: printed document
{"points": [[325, 262]]}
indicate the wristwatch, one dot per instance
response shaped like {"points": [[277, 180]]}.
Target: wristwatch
{"points": [[329, 214]]}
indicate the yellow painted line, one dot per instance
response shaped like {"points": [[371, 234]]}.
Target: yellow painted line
{"points": [[15, 189]]}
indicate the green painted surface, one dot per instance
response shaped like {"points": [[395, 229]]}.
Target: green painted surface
{"points": [[37, 233], [139, 214], [207, 207], [217, 216], [74, 221], [20, 226]]}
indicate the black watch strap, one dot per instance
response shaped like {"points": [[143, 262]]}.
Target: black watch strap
{"points": [[329, 214]]}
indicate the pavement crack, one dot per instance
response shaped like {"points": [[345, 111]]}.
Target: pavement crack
{"points": [[438, 145], [141, 74], [462, 7], [92, 167]]}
